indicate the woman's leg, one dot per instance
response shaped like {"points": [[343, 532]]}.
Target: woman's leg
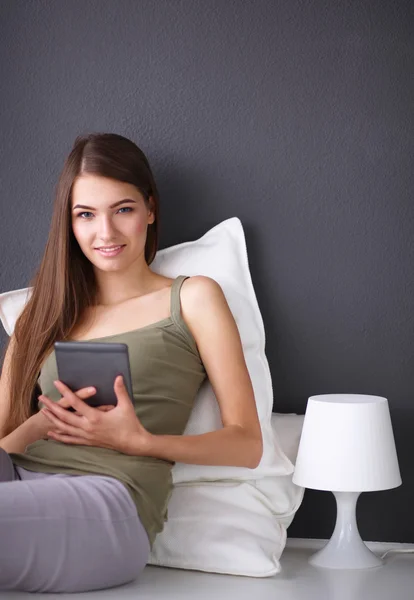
{"points": [[68, 533]]}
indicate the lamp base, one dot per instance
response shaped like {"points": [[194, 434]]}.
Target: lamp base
{"points": [[345, 549]]}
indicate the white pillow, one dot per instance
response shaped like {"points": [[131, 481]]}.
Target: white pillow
{"points": [[287, 427], [220, 254], [11, 305], [233, 527]]}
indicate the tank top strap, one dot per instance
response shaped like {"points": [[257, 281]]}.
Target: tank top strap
{"points": [[175, 307], [175, 310]]}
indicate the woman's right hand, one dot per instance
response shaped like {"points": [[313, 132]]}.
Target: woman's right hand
{"points": [[42, 424]]}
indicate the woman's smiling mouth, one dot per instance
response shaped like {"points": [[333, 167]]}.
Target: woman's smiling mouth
{"points": [[111, 250]]}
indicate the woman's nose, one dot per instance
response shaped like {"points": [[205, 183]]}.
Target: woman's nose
{"points": [[106, 228]]}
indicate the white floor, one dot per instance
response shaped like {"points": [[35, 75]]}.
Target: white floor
{"points": [[297, 581]]}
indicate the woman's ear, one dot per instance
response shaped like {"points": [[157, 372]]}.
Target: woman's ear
{"points": [[151, 215]]}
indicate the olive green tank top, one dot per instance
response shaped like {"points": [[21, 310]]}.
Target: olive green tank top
{"points": [[167, 372]]}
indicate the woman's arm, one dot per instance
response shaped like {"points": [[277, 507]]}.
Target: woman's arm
{"points": [[230, 446], [38, 425], [27, 433], [239, 442]]}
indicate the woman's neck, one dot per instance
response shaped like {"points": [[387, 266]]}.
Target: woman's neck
{"points": [[117, 287]]}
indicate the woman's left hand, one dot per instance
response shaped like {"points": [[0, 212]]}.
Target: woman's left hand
{"points": [[118, 428]]}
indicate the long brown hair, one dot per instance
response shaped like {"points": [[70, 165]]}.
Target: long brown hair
{"points": [[65, 285]]}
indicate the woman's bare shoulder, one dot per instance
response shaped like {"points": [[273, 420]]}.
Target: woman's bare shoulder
{"points": [[199, 294]]}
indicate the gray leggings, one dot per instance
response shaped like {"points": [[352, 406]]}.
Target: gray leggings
{"points": [[67, 533]]}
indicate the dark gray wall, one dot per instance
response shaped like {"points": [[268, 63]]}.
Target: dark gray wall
{"points": [[294, 116]]}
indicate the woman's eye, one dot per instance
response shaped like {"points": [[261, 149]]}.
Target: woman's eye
{"points": [[128, 208]]}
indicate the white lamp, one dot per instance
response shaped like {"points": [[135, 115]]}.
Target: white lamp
{"points": [[347, 447]]}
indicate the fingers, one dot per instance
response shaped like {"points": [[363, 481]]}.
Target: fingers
{"points": [[62, 402], [70, 427], [120, 390], [86, 392], [119, 382], [58, 409], [76, 399], [82, 393]]}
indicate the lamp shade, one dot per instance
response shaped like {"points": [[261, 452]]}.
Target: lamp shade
{"points": [[347, 445]]}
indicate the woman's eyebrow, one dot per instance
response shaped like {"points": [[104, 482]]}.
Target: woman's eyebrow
{"points": [[112, 205]]}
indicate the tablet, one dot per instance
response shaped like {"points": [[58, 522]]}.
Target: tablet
{"points": [[97, 364]]}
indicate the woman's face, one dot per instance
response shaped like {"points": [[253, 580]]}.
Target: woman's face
{"points": [[105, 213]]}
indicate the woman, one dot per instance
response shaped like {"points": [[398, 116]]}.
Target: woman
{"points": [[85, 490]]}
